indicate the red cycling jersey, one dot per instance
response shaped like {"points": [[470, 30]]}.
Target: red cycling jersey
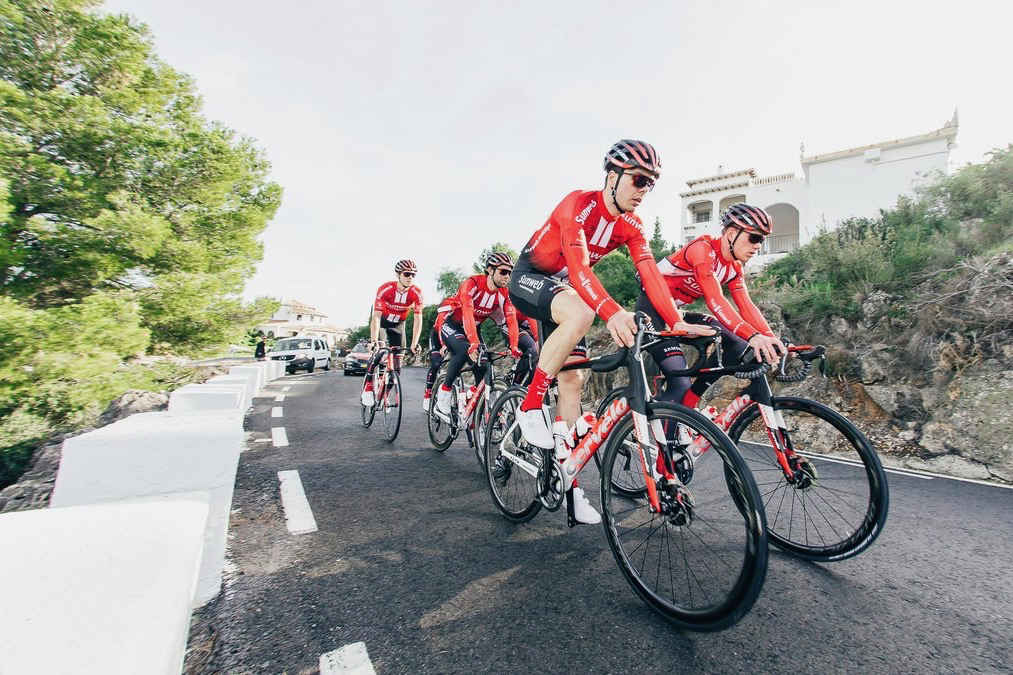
{"points": [[474, 303], [578, 234], [699, 269], [394, 304]]}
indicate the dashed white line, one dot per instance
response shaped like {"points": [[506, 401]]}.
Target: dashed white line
{"points": [[352, 659], [298, 515], [285, 388], [279, 398], [276, 411], [279, 437]]}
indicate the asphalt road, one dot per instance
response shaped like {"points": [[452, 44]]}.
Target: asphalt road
{"points": [[412, 558]]}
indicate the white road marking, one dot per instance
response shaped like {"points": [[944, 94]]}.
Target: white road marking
{"points": [[298, 515], [279, 398], [276, 411], [352, 659], [279, 437], [262, 440], [285, 388]]}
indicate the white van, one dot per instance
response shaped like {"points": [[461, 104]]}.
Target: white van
{"points": [[301, 352]]}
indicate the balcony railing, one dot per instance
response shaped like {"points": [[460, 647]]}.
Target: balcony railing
{"points": [[776, 178], [780, 243]]}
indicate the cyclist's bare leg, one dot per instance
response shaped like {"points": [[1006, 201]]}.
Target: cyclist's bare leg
{"points": [[570, 384], [573, 318]]}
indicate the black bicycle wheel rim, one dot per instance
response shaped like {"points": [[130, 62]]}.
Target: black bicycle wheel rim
{"points": [[514, 492], [838, 515], [482, 409], [392, 408], [705, 575]]}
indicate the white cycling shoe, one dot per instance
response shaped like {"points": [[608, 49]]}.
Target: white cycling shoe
{"points": [[583, 512], [425, 403], [367, 398], [534, 429], [443, 401]]}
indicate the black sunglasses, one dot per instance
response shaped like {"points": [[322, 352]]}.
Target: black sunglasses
{"points": [[640, 181], [408, 274], [753, 237], [502, 271]]}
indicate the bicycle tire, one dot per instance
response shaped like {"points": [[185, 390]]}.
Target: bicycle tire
{"points": [[438, 426], [481, 417], [799, 515], [514, 491], [367, 412], [392, 410], [719, 531]]}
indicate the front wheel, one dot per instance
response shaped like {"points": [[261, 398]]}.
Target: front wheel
{"points": [[442, 429], [392, 406], [481, 416], [701, 561], [512, 467], [367, 412], [835, 503]]}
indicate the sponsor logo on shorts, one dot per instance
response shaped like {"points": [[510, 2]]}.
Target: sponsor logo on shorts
{"points": [[531, 284]]}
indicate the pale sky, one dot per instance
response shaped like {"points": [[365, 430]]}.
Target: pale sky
{"points": [[429, 130]]}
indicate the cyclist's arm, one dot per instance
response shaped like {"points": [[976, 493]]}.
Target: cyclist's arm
{"points": [[582, 279], [513, 332], [374, 326], [651, 279], [699, 257], [468, 310], [417, 325], [749, 311], [533, 325]]}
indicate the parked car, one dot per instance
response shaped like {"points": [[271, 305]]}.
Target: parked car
{"points": [[301, 353], [357, 359]]}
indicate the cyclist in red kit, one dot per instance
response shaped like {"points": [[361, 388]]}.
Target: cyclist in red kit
{"points": [[394, 300], [699, 270], [477, 298], [553, 283]]}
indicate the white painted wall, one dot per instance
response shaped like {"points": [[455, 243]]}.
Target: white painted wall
{"points": [[855, 187]]}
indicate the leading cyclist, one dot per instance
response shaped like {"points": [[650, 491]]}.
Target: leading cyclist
{"points": [[553, 283], [394, 300]]}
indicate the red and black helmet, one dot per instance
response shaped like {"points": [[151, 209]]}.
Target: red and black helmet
{"points": [[629, 154], [405, 266], [748, 219], [498, 259]]}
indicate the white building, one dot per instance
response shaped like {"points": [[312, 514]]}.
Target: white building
{"points": [[298, 318], [832, 187]]}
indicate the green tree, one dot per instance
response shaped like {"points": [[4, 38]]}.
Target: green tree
{"points": [[116, 180], [449, 280], [478, 266], [659, 247]]}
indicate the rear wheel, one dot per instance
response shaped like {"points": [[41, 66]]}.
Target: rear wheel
{"points": [[392, 406], [835, 504], [702, 560], [442, 428], [512, 467]]}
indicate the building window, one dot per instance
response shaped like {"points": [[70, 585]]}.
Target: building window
{"points": [[702, 217], [298, 317]]}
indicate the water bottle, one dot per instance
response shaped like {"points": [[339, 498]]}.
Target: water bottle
{"points": [[580, 429]]}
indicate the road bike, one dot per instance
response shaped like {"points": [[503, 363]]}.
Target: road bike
{"points": [[469, 406], [824, 491], [386, 390], [697, 558]]}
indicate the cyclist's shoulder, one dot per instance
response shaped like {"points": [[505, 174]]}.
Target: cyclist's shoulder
{"points": [[576, 203], [385, 287]]}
